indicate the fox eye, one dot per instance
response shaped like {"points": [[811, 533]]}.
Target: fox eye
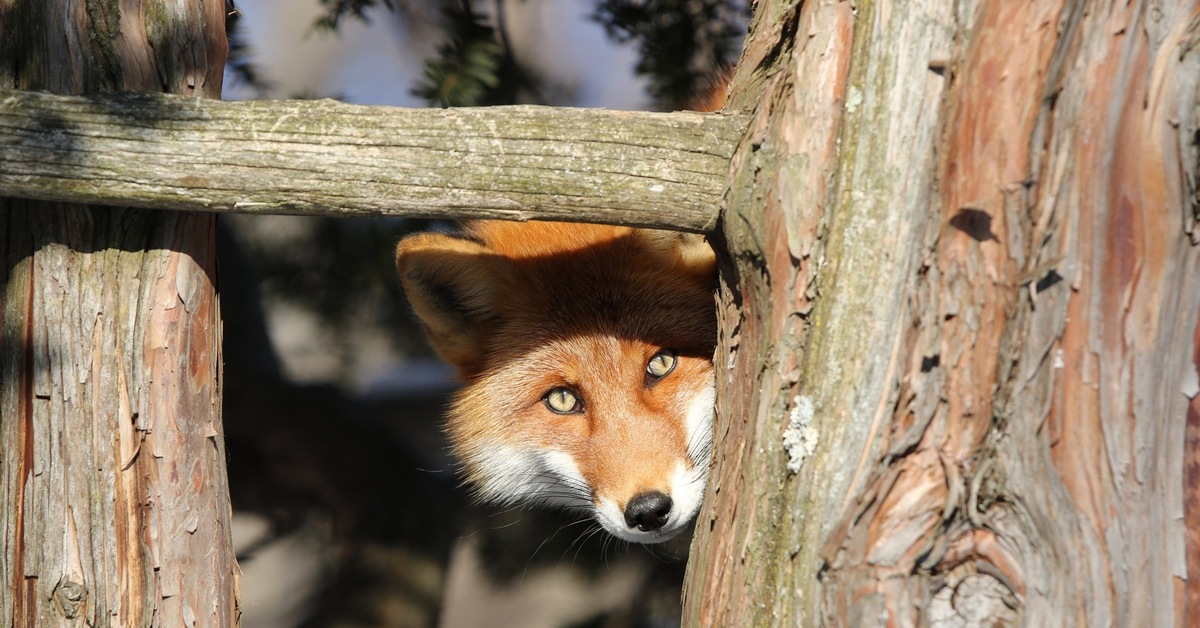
{"points": [[562, 401], [662, 363]]}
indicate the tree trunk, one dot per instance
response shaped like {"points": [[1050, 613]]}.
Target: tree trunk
{"points": [[960, 320], [112, 467]]}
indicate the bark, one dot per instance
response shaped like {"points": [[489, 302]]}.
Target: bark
{"points": [[112, 477], [326, 157], [960, 320]]}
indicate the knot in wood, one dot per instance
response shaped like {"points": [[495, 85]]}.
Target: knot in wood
{"points": [[70, 596]]}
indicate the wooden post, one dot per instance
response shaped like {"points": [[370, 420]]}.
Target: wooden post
{"points": [[113, 493], [957, 381]]}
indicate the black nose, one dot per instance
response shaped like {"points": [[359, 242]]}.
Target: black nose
{"points": [[648, 511]]}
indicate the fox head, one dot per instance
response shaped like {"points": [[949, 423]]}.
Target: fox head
{"points": [[586, 357]]}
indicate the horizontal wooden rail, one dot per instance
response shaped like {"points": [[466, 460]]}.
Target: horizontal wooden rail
{"points": [[322, 157]]}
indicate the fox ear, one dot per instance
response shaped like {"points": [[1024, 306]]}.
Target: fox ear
{"points": [[688, 252], [452, 283]]}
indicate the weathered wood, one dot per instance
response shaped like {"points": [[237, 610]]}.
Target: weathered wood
{"points": [[330, 158], [114, 505], [963, 280], [833, 206]]}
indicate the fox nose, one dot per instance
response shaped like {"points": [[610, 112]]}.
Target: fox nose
{"points": [[648, 511]]}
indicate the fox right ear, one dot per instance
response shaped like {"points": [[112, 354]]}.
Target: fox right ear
{"points": [[451, 283]]}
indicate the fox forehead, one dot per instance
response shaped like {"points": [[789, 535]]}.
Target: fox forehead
{"points": [[558, 302]]}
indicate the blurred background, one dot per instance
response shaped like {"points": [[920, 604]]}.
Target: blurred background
{"points": [[347, 511]]}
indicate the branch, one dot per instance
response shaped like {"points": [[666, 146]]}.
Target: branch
{"points": [[330, 158]]}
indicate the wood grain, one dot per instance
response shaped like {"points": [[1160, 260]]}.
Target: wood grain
{"points": [[114, 502], [331, 158]]}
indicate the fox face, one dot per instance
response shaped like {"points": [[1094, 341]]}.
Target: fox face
{"points": [[586, 357]]}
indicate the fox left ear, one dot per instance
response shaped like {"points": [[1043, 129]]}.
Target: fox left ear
{"points": [[452, 284], [689, 252]]}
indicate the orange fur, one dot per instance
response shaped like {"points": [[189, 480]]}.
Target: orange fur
{"points": [[714, 92], [523, 309]]}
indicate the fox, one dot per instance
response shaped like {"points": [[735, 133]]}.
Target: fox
{"points": [[586, 357]]}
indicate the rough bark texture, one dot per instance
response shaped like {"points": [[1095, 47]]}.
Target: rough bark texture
{"points": [[961, 320], [112, 476], [326, 157]]}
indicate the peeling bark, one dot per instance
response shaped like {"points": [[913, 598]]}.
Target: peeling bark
{"points": [[990, 283], [112, 467]]}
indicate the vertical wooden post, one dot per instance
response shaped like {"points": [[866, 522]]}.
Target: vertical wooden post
{"points": [[114, 504], [957, 379]]}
